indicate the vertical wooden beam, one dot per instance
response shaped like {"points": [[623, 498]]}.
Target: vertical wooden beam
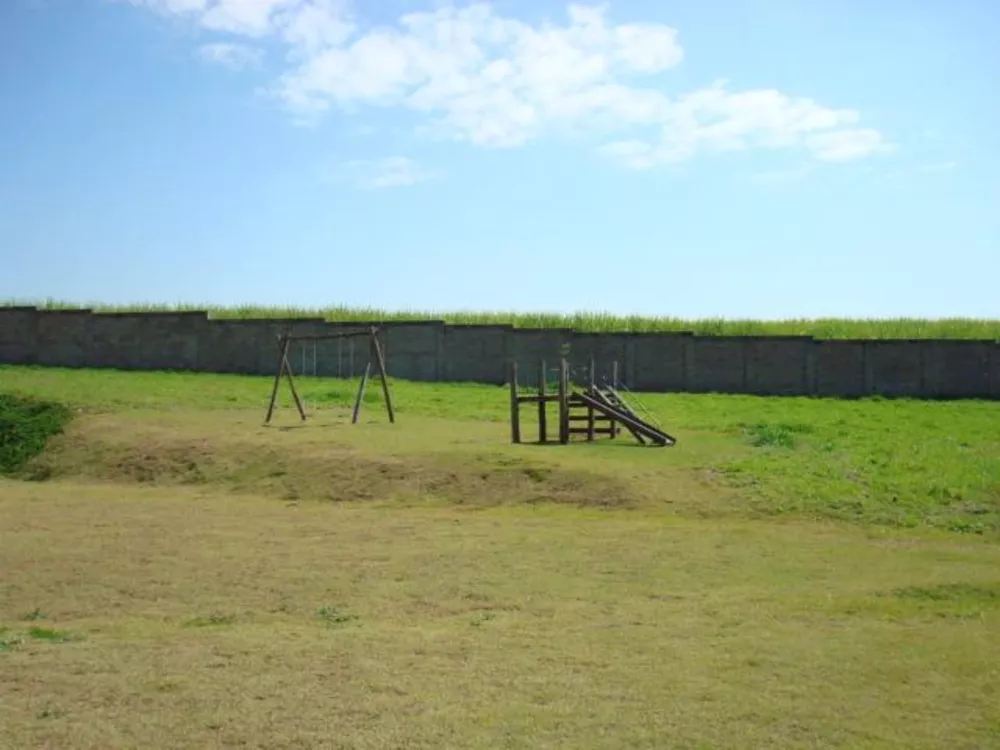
{"points": [[380, 361], [361, 394], [612, 425], [563, 401], [591, 387], [278, 371], [515, 410], [543, 430]]}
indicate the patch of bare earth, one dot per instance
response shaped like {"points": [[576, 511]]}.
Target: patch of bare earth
{"points": [[112, 449]]}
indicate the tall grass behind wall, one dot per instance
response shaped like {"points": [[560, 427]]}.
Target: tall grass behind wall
{"points": [[598, 322]]}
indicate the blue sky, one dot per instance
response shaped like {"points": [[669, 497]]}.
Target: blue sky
{"points": [[735, 158]]}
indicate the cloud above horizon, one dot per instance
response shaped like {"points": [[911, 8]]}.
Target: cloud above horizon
{"points": [[230, 55], [475, 76], [380, 174]]}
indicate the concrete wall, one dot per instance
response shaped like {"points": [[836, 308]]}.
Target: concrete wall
{"points": [[658, 361], [995, 372], [841, 368], [475, 354], [18, 332], [433, 351], [784, 365]]}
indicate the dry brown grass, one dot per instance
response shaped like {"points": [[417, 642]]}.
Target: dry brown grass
{"points": [[455, 462], [199, 618], [187, 578]]}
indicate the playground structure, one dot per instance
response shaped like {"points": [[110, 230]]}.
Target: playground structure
{"points": [[604, 410], [374, 355]]}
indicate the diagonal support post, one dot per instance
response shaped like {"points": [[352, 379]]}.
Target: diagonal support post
{"points": [[285, 369], [383, 376]]}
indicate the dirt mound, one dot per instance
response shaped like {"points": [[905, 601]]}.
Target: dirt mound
{"points": [[338, 473]]}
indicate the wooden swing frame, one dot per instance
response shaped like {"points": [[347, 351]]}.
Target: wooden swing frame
{"points": [[285, 368]]}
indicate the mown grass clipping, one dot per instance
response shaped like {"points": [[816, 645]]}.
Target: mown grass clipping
{"points": [[26, 425]]}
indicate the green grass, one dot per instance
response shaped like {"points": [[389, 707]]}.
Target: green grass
{"points": [[51, 635], [334, 615], [795, 573], [26, 425], [505, 627], [602, 322], [8, 641], [891, 462]]}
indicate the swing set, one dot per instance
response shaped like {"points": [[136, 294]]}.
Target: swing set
{"points": [[374, 355]]}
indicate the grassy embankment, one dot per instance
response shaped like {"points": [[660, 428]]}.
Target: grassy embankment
{"points": [[795, 573], [26, 425], [822, 328]]}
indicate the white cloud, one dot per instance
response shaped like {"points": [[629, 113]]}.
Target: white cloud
{"points": [[846, 145], [634, 154], [232, 56], [476, 76], [315, 25], [173, 6], [250, 17], [780, 176], [487, 79], [390, 172], [939, 167]]}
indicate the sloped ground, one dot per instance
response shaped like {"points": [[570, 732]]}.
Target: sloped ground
{"points": [[893, 463], [232, 452], [184, 617], [177, 575], [26, 426]]}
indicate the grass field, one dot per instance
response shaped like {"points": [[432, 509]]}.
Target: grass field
{"points": [[796, 573], [822, 328]]}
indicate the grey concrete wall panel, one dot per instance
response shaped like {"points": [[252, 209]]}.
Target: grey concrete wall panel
{"points": [[64, 338], [531, 347], [147, 341], [475, 354], [230, 346], [604, 349], [115, 341], [333, 358], [959, 369], [250, 347], [897, 367], [778, 366], [18, 335], [995, 371], [266, 335], [719, 365], [412, 349], [431, 350], [840, 368], [658, 361], [151, 341]]}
